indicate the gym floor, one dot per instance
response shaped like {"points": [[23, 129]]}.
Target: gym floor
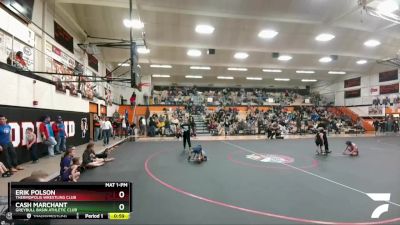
{"points": [[257, 182]]}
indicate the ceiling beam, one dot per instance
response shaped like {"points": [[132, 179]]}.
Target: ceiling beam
{"points": [[223, 15], [107, 3]]}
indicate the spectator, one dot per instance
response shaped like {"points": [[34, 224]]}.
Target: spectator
{"points": [[47, 133], [124, 127], [116, 115], [192, 125], [133, 100], [75, 174], [30, 139], [19, 61], [152, 127], [7, 148], [89, 159], [96, 124], [4, 171], [106, 127], [142, 125], [60, 135], [376, 125], [10, 59], [65, 164]]}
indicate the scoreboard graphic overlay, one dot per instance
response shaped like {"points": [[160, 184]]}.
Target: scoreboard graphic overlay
{"points": [[83, 200]]}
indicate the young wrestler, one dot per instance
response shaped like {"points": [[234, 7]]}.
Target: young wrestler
{"points": [[319, 141], [351, 149], [198, 154]]}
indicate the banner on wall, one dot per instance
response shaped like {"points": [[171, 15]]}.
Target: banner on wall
{"points": [[87, 86], [389, 89], [352, 93], [388, 75], [59, 62], [354, 82], [19, 119], [63, 37], [108, 94], [374, 90], [376, 111], [93, 62]]}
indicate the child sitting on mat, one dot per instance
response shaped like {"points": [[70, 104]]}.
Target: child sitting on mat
{"points": [[75, 174], [351, 149]]}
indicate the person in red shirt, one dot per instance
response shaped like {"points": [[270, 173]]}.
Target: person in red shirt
{"points": [[19, 61], [351, 149], [133, 100], [47, 133]]}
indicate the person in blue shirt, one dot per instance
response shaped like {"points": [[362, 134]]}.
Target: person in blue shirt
{"points": [[7, 148], [59, 134]]}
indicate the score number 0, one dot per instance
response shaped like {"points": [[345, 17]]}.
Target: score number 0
{"points": [[121, 206]]}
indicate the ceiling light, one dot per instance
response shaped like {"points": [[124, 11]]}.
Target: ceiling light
{"points": [[204, 29], [361, 62], [267, 34], [143, 50], [388, 6], [161, 66], [285, 57], [161, 75], [253, 78], [308, 80], [305, 71], [325, 59], [194, 52], [225, 78], [337, 72], [282, 79], [272, 71], [372, 43], [136, 24], [200, 68], [194, 76], [237, 69], [324, 37], [123, 64], [241, 55]]}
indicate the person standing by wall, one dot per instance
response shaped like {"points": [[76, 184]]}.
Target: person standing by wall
{"points": [[47, 133], [96, 122], [133, 100], [7, 148], [142, 125], [60, 135], [107, 128], [30, 139], [376, 125]]}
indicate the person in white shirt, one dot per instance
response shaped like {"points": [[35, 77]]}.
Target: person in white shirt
{"points": [[106, 127]]}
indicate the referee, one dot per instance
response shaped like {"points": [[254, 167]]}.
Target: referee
{"points": [[186, 133]]}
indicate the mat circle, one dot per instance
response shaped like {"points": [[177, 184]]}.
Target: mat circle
{"points": [[248, 210]]}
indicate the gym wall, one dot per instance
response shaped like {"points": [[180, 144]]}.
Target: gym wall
{"points": [[20, 118]]}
